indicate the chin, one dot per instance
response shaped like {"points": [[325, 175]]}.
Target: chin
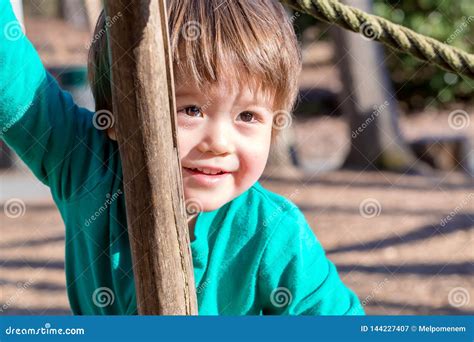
{"points": [[197, 201], [213, 206]]}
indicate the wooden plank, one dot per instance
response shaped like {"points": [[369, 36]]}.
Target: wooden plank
{"points": [[143, 96]]}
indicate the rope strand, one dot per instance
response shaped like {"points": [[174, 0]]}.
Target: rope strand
{"points": [[395, 36]]}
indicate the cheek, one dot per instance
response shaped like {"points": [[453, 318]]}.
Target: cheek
{"points": [[186, 139], [253, 158]]}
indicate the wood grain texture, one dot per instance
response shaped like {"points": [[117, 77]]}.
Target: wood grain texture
{"points": [[144, 108]]}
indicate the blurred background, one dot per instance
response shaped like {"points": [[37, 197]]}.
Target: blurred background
{"points": [[378, 155]]}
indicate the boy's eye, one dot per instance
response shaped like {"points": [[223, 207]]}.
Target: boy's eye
{"points": [[247, 116], [193, 111]]}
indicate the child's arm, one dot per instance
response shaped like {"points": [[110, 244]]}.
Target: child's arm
{"points": [[38, 120], [296, 278]]}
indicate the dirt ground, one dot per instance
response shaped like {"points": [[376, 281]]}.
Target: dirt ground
{"points": [[385, 233]]}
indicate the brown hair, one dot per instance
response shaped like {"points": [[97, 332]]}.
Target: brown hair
{"points": [[253, 39]]}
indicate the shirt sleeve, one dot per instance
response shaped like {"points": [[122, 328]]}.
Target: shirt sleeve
{"points": [[55, 138], [296, 277]]}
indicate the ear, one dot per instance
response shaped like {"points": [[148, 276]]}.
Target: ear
{"points": [[111, 133]]}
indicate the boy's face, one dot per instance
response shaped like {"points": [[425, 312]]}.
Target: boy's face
{"points": [[224, 137]]}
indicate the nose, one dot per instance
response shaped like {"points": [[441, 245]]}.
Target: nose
{"points": [[217, 139]]}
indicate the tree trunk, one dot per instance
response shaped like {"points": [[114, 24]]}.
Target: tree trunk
{"points": [[376, 140], [73, 11], [282, 160], [144, 108]]}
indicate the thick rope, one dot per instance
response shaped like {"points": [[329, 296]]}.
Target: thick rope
{"points": [[395, 36]]}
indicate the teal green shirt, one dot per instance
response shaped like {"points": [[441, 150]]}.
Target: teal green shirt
{"points": [[254, 255]]}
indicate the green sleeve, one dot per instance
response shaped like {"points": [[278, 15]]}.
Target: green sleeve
{"points": [[21, 71], [40, 122], [296, 278]]}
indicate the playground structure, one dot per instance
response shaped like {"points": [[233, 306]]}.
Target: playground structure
{"points": [[157, 226]]}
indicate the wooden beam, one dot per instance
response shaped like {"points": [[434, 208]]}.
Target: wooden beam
{"points": [[144, 108]]}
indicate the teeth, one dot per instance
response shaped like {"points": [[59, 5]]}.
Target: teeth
{"points": [[207, 171]]}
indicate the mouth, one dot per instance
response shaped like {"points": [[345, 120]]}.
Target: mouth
{"points": [[206, 177], [205, 171]]}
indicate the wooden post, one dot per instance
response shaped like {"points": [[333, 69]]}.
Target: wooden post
{"points": [[144, 108]]}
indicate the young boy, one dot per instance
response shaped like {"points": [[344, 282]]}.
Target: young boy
{"points": [[253, 252]]}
